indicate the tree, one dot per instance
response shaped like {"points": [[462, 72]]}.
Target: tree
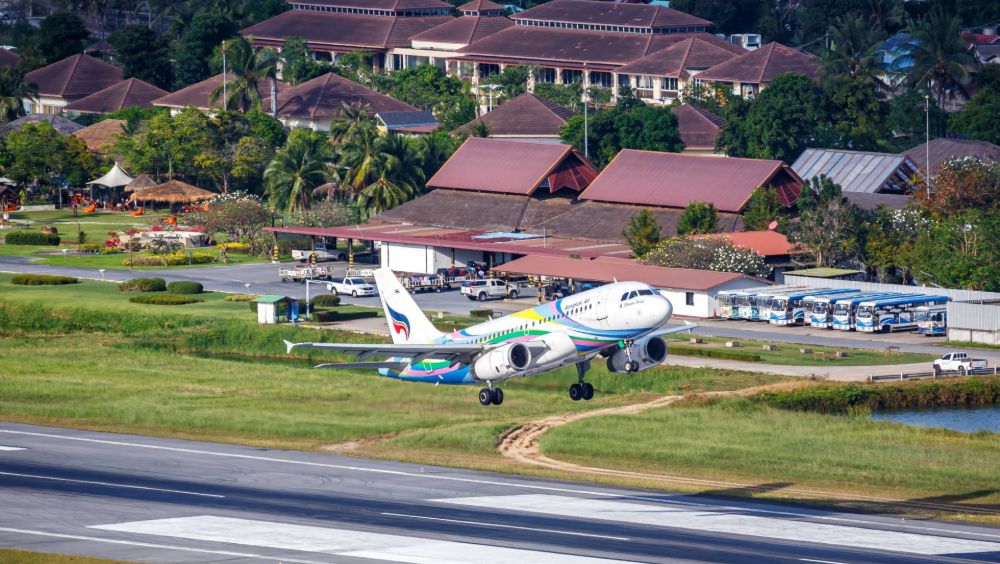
{"points": [[906, 119], [829, 224], [199, 38], [857, 113], [61, 35], [729, 16], [763, 209], [296, 170], [960, 251], [698, 218], [978, 119], [167, 146], [707, 253], [513, 81], [14, 89], [297, 64], [569, 96], [642, 233], [400, 175], [890, 241], [247, 68], [936, 56], [854, 45], [434, 149], [962, 185], [37, 153], [326, 213], [240, 216], [351, 118], [144, 54], [786, 117], [626, 126]]}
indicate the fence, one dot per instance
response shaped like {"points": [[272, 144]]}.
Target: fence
{"points": [[903, 376], [952, 293]]}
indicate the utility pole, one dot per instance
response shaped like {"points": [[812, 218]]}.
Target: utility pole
{"points": [[586, 97], [225, 100], [927, 142]]}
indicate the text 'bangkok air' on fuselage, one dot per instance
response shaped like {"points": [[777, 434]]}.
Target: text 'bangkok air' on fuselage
{"points": [[620, 322]]}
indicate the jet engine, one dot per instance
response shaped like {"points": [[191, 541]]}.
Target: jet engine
{"points": [[502, 362], [645, 353]]}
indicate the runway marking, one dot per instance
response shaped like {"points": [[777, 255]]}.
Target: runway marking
{"points": [[821, 561], [127, 486], [501, 526], [5, 448], [740, 522], [341, 542], [151, 545]]}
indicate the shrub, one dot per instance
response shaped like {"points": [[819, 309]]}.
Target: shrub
{"points": [[480, 313], [185, 287], [92, 248], [713, 353], [81, 237], [235, 247], [50, 230], [31, 238], [325, 300], [175, 258], [143, 285], [164, 299], [241, 297], [848, 398], [42, 280]]}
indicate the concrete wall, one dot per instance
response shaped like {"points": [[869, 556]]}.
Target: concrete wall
{"points": [[705, 304]]}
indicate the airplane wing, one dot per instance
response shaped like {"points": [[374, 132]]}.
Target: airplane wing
{"points": [[688, 326], [414, 352]]}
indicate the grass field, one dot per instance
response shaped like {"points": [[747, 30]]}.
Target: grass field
{"points": [[969, 345], [11, 556], [788, 354], [735, 439]]}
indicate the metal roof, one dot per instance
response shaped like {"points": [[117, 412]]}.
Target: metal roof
{"points": [[859, 171]]}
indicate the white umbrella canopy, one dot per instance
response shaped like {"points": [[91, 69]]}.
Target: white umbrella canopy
{"points": [[115, 178]]}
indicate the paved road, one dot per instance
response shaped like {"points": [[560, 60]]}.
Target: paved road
{"points": [[161, 500]]}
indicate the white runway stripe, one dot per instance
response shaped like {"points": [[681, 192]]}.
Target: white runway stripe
{"points": [[735, 522], [12, 448], [341, 542]]}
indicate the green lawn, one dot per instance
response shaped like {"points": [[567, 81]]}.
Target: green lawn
{"points": [[12, 556], [788, 353], [735, 439], [968, 345]]}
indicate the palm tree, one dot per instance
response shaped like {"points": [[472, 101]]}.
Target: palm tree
{"points": [[400, 175], [245, 69], [937, 56], [853, 48], [352, 116], [296, 170], [358, 154], [14, 89]]}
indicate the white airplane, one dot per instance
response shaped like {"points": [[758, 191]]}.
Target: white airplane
{"points": [[620, 321]]}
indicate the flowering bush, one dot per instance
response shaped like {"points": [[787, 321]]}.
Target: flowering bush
{"points": [[707, 253], [234, 247], [157, 228], [175, 258], [735, 259]]}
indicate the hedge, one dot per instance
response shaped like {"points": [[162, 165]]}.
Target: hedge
{"points": [[847, 398], [325, 300], [185, 287], [176, 258], [235, 248], [240, 297], [42, 280], [95, 248], [713, 353], [164, 299], [31, 238], [143, 285]]}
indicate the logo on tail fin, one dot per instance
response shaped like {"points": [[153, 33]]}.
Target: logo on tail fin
{"points": [[400, 324]]}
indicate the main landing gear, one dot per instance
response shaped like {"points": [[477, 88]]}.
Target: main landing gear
{"points": [[490, 395], [581, 390]]}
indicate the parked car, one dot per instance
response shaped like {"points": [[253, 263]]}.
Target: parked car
{"points": [[353, 286], [322, 253], [483, 290], [958, 362]]}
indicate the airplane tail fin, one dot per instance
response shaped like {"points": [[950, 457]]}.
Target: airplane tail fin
{"points": [[407, 323]]}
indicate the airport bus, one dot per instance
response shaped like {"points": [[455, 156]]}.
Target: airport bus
{"points": [[893, 314], [932, 319], [750, 304], [788, 309], [843, 310], [818, 309], [724, 303], [732, 304]]}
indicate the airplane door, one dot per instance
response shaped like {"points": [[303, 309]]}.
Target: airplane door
{"points": [[602, 305]]}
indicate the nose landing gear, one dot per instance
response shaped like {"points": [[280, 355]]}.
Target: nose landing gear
{"points": [[581, 390]]}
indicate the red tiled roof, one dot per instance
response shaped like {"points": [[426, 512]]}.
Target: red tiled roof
{"points": [[673, 180], [326, 95], [9, 58], [74, 77], [464, 30], [694, 53], [699, 128], [324, 30], [767, 243], [378, 4], [124, 94], [527, 115], [609, 269], [199, 94], [762, 65], [512, 167], [610, 13], [480, 6]]}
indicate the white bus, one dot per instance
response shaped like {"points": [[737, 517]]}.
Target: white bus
{"points": [[789, 309], [932, 320], [843, 310], [818, 309], [755, 306], [893, 314]]}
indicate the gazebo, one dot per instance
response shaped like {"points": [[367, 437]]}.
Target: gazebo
{"points": [[115, 178], [140, 183], [173, 192]]}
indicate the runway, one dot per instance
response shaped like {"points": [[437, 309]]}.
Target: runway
{"points": [[164, 500]]}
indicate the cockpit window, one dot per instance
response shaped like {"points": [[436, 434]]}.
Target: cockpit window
{"points": [[624, 296], [646, 292], [632, 294]]}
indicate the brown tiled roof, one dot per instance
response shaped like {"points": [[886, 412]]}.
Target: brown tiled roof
{"points": [[59, 123], [672, 180], [74, 77], [481, 6], [868, 201], [326, 95], [124, 94], [378, 4], [598, 49], [512, 167], [699, 128], [343, 31], [8, 58], [942, 149], [102, 133], [610, 13], [762, 65], [694, 53], [464, 30], [199, 94], [526, 115]]}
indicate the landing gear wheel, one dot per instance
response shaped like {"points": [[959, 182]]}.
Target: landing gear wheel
{"points": [[497, 396], [588, 391], [485, 396], [576, 392], [632, 366]]}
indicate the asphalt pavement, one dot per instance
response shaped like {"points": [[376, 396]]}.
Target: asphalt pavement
{"points": [[162, 500]]}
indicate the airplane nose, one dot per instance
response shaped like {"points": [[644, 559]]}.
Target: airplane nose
{"points": [[667, 309]]}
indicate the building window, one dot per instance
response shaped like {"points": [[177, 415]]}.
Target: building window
{"points": [[569, 76], [487, 69], [689, 298], [547, 75], [669, 84], [602, 79], [644, 82]]}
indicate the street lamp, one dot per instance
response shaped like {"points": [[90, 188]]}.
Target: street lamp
{"points": [[102, 271], [247, 286], [329, 288], [927, 142], [65, 259], [225, 101], [491, 88]]}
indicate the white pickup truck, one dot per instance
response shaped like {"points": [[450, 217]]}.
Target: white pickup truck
{"points": [[483, 290], [958, 362], [352, 286], [322, 253]]}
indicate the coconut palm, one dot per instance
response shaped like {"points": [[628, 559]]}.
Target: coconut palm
{"points": [[357, 155], [400, 175], [352, 116], [296, 171], [853, 48], [937, 57], [245, 70], [14, 89]]}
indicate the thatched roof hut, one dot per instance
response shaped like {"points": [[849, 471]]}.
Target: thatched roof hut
{"points": [[140, 183], [173, 192]]}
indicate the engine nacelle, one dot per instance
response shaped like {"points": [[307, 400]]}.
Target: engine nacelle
{"points": [[502, 362], [648, 352]]}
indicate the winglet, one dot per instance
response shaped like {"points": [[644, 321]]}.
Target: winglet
{"points": [[289, 346]]}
